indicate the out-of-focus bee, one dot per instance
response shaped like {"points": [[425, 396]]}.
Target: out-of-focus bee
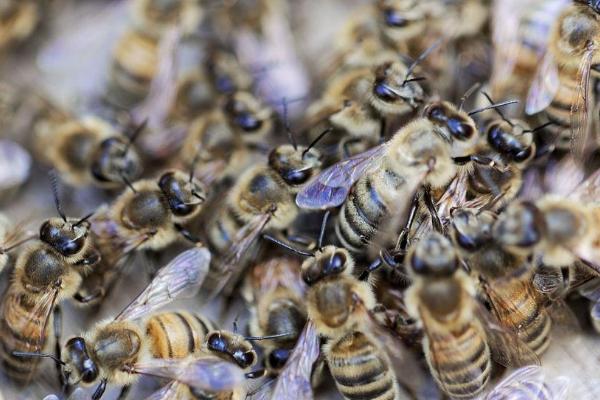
{"points": [[88, 151], [458, 343], [118, 350], [275, 290], [530, 383], [15, 166], [155, 17], [18, 20], [225, 73], [506, 279], [151, 214], [46, 272], [262, 198], [401, 22], [561, 90]]}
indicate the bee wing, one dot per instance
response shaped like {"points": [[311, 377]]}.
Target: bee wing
{"points": [[505, 35], [587, 191], [580, 108], [182, 276], [408, 372], [565, 178], [507, 348], [170, 391], [240, 244], [202, 372], [544, 87], [331, 187], [529, 382], [294, 380]]}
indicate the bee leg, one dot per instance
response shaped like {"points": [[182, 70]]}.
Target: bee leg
{"points": [[375, 265], [346, 146], [57, 325], [403, 242], [124, 392], [187, 234], [382, 130], [435, 218], [99, 390]]}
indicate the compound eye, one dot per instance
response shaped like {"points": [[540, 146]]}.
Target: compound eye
{"points": [[296, 177], [90, 371], [217, 343], [523, 155], [336, 264], [436, 113], [384, 92], [278, 358], [248, 358], [393, 19], [459, 130], [247, 122]]}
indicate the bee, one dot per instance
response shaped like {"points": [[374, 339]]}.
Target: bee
{"points": [[89, 151], [225, 73], [119, 350], [457, 342], [18, 20], [46, 271], [561, 88], [261, 198], [150, 215], [530, 383], [401, 22], [276, 292], [506, 279], [154, 17]]}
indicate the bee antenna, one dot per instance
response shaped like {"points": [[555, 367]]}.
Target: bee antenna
{"points": [[287, 246], [54, 184], [419, 59], [286, 124], [537, 128], [468, 94], [127, 182], [82, 220], [235, 323], [495, 107], [322, 232], [193, 166], [27, 354], [266, 337], [136, 133], [314, 142]]}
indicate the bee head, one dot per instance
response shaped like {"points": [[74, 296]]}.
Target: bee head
{"points": [[433, 256], [328, 261]]}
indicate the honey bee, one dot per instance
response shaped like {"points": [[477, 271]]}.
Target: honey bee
{"points": [[458, 343], [225, 73], [88, 151], [506, 279], [46, 272], [262, 198], [18, 20], [530, 383], [401, 22], [561, 88], [151, 214], [118, 350], [276, 292]]}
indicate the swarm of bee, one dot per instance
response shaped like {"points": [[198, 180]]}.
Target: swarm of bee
{"points": [[409, 211]]}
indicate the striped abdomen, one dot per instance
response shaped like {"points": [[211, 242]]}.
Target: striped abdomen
{"points": [[364, 209], [360, 369], [459, 359], [527, 315], [176, 334], [559, 110], [20, 331]]}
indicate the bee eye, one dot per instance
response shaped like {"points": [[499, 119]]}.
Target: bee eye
{"points": [[248, 358], [459, 130], [384, 92], [278, 358], [523, 155], [436, 113], [62, 241], [394, 19], [217, 343], [335, 264], [296, 177]]}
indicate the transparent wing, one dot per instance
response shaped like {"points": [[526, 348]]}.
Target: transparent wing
{"points": [[182, 276], [529, 383], [203, 373], [331, 187], [294, 380], [505, 36], [544, 87], [580, 108], [240, 244], [507, 348], [588, 191], [171, 391], [564, 178]]}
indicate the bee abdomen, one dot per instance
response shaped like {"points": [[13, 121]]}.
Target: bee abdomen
{"points": [[360, 216], [360, 370], [20, 332], [463, 364], [176, 334]]}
